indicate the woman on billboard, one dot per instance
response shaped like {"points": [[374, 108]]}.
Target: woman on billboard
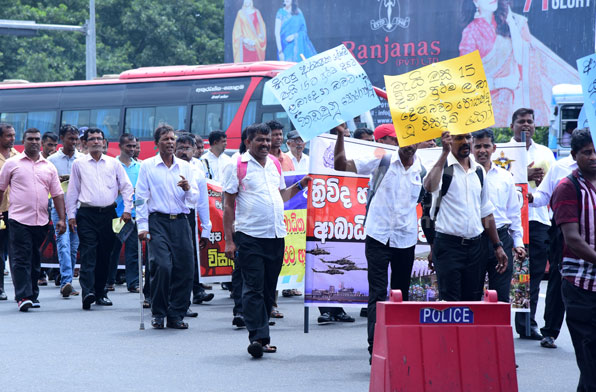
{"points": [[290, 33], [249, 34], [520, 69]]}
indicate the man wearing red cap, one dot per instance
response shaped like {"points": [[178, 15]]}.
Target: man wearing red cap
{"points": [[385, 134]]}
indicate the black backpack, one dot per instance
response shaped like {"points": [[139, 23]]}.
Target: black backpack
{"points": [[377, 177], [428, 223]]}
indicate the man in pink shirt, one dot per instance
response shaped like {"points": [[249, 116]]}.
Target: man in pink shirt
{"points": [[31, 178], [95, 181]]}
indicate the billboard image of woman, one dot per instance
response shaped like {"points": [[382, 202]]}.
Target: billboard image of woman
{"points": [[520, 69], [249, 34], [291, 35]]}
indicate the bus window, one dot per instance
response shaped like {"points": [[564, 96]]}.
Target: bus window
{"points": [[104, 119], [250, 114], [198, 120], [44, 121], [229, 111], [142, 122], [213, 118], [281, 117]]}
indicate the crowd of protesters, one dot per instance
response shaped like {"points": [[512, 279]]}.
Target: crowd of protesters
{"points": [[472, 204]]}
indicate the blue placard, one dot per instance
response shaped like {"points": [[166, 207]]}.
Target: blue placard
{"points": [[324, 91], [587, 74], [451, 315]]}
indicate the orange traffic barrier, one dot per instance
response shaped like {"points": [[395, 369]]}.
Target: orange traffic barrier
{"points": [[443, 346]]}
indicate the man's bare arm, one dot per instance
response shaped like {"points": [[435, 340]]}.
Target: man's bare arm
{"points": [[576, 243], [433, 178], [340, 161]]}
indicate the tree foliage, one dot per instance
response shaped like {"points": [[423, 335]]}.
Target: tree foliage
{"points": [[130, 34]]}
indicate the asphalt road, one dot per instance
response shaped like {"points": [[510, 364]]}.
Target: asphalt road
{"points": [[62, 348]]}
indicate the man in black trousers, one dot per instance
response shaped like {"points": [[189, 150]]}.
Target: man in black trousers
{"points": [[167, 185], [95, 181]]}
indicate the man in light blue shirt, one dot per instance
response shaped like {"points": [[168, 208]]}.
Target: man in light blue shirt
{"points": [[67, 244], [127, 145]]}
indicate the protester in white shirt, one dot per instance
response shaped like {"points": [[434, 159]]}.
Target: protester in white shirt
{"points": [[255, 201], [215, 160], [391, 224], [464, 212], [540, 159], [185, 145], [503, 196], [165, 188], [296, 146], [554, 308]]}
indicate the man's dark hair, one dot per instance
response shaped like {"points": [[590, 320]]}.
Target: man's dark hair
{"points": [[161, 130], [521, 112], [92, 130], [216, 136], [242, 147], [580, 138], [30, 130], [126, 136], [486, 132], [67, 128], [361, 132], [186, 138], [49, 135], [257, 128], [197, 138], [275, 125], [4, 126]]}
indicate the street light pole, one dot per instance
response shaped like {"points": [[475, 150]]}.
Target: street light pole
{"points": [[22, 27], [90, 66]]}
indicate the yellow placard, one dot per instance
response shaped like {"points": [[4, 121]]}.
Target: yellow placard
{"points": [[452, 96]]}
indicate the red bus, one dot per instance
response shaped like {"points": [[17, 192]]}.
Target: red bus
{"points": [[199, 99]]}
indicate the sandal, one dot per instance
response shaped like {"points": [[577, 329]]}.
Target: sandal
{"points": [[276, 314], [269, 349]]}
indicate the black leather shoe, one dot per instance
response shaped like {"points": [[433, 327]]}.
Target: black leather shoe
{"points": [[325, 318], [190, 313], [343, 318], [202, 297], [157, 322], [103, 301], [176, 324], [88, 300], [238, 321], [534, 334]]}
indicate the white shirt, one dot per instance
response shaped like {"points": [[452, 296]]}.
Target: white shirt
{"points": [[561, 169], [392, 213], [202, 205], [503, 196], [199, 165], [97, 183], [259, 206], [157, 187], [215, 166], [540, 155], [301, 166], [465, 204]]}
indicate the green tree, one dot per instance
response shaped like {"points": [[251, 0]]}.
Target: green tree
{"points": [[130, 34]]}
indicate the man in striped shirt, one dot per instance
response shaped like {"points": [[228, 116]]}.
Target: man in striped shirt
{"points": [[574, 206]]}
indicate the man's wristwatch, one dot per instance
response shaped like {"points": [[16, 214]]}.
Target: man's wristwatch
{"points": [[497, 245]]}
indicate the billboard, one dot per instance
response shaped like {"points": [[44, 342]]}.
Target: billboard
{"points": [[527, 46]]}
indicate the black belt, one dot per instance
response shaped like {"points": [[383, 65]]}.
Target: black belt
{"points": [[109, 208], [462, 241], [169, 216], [504, 229]]}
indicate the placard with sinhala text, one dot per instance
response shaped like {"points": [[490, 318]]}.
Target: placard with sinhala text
{"points": [[587, 74], [324, 91], [452, 96]]}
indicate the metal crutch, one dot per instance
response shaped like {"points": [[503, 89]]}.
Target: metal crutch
{"points": [[141, 295]]}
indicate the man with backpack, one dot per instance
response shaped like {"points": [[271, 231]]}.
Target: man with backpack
{"points": [[391, 223], [255, 192], [461, 212], [574, 207]]}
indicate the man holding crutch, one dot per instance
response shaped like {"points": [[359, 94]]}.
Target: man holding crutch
{"points": [[166, 185]]}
